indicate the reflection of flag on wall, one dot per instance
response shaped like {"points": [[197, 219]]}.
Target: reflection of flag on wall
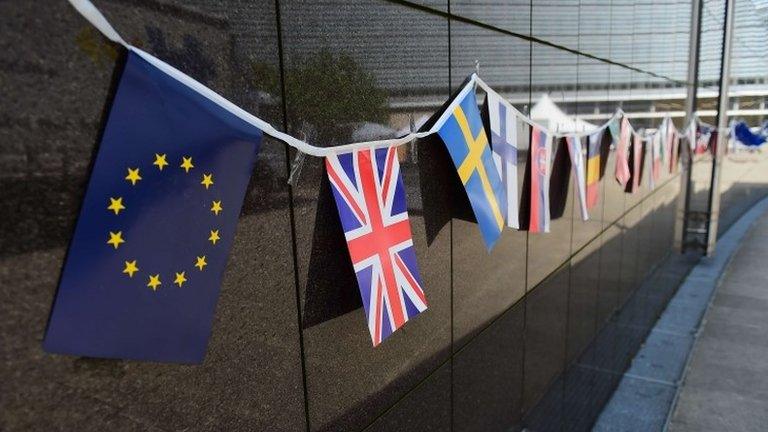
{"points": [[622, 153], [577, 166], [503, 123], [593, 168], [142, 275], [370, 198], [467, 143], [540, 157]]}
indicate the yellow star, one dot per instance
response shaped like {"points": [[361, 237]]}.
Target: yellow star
{"points": [[160, 161], [216, 207], [180, 279], [115, 238], [154, 282], [207, 180], [214, 236], [130, 268], [133, 176], [201, 262], [186, 163], [116, 204]]}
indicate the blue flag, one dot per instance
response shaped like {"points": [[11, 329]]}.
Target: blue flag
{"points": [[465, 138], [142, 275]]}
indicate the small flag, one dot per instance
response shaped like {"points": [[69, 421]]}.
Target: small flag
{"points": [[656, 160], [636, 170], [673, 160], [503, 124], [467, 143], [622, 153], [593, 168], [577, 166], [370, 197], [142, 275], [692, 134], [540, 161]]}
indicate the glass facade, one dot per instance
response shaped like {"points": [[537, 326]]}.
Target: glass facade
{"points": [[534, 334]]}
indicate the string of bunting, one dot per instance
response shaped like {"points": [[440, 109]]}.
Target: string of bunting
{"points": [[144, 267]]}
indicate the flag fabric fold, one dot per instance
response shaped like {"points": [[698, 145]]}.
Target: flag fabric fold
{"points": [[370, 197], [577, 167], [503, 124], [467, 143], [142, 275], [540, 157]]}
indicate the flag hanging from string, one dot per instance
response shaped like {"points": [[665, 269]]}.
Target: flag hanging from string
{"points": [[656, 159], [540, 157], [503, 124], [636, 164], [370, 198], [467, 143], [577, 167], [593, 167], [144, 267], [622, 153]]}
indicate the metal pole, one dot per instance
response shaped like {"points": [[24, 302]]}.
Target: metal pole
{"points": [[722, 123], [684, 200]]}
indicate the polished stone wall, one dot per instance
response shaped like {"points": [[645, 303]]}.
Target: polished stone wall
{"points": [[534, 334]]}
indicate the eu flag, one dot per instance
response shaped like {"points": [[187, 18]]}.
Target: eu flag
{"points": [[142, 275]]}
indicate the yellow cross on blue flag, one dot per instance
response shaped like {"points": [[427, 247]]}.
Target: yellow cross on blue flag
{"points": [[467, 143], [142, 275]]}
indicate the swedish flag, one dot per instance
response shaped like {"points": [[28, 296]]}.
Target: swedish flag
{"points": [[467, 143], [142, 275]]}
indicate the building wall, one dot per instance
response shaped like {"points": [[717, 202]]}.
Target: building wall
{"points": [[526, 336]]}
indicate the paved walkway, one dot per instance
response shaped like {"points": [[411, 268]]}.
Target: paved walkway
{"points": [[725, 387]]}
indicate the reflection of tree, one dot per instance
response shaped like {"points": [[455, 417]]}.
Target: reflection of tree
{"points": [[329, 92]]}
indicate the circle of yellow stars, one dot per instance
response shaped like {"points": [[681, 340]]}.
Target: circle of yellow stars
{"points": [[116, 205]]}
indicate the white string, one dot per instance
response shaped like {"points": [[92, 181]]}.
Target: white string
{"points": [[97, 19]]}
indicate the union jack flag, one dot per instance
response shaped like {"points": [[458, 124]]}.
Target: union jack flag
{"points": [[370, 198]]}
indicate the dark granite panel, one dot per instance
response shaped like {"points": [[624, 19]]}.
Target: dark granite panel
{"points": [[486, 284], [58, 106], [583, 299], [487, 376], [425, 408], [350, 383], [548, 414], [545, 332], [629, 255], [610, 273]]}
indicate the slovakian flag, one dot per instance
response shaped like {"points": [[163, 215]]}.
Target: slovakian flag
{"points": [[466, 141], [370, 197], [540, 162], [622, 153], [503, 124], [636, 166], [144, 266], [593, 168], [577, 167]]}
